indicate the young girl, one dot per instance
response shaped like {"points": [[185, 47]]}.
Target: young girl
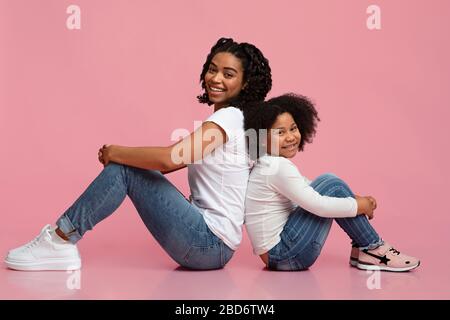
{"points": [[201, 234], [288, 217]]}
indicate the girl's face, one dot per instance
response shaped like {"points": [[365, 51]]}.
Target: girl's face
{"points": [[283, 139], [224, 79]]}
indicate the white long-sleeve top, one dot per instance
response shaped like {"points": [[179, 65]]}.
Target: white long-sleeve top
{"points": [[275, 188]]}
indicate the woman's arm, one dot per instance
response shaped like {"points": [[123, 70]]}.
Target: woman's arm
{"points": [[170, 171], [192, 148]]}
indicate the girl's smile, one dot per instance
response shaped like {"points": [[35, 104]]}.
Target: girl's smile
{"points": [[284, 137]]}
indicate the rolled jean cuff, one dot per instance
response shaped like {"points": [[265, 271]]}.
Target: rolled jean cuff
{"points": [[69, 230], [371, 246]]}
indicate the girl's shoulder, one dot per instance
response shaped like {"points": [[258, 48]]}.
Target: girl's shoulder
{"points": [[276, 166], [269, 159]]}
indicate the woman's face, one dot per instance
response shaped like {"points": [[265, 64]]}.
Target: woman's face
{"points": [[224, 79], [283, 138]]}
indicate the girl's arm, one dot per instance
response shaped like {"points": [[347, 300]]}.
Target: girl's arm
{"points": [[192, 148], [290, 183], [366, 205]]}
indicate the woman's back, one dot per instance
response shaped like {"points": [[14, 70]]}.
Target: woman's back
{"points": [[218, 184]]}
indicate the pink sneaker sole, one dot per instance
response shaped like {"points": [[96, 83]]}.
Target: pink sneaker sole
{"points": [[364, 266]]}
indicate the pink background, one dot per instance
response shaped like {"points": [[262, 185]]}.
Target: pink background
{"points": [[130, 77]]}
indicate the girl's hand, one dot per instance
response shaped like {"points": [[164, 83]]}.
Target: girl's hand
{"points": [[366, 205], [104, 154]]}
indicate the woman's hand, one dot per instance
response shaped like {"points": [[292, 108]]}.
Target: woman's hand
{"points": [[366, 205], [105, 154]]}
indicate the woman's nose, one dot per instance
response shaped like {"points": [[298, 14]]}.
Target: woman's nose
{"points": [[217, 78]]}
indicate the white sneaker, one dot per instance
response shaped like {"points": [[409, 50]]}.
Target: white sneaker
{"points": [[46, 252]]}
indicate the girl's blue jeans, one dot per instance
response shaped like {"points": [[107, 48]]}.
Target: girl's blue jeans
{"points": [[304, 234], [174, 222]]}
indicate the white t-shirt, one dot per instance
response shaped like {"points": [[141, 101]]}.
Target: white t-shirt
{"points": [[275, 189], [218, 182]]}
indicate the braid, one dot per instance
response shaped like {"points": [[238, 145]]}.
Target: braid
{"points": [[222, 42], [258, 76]]}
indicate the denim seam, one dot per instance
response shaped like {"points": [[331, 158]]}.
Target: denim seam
{"points": [[222, 257], [337, 187], [83, 222], [355, 229]]}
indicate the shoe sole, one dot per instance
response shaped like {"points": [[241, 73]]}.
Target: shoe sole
{"points": [[46, 265], [353, 262], [372, 267]]}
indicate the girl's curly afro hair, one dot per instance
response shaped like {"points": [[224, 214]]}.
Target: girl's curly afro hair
{"points": [[264, 114], [257, 72]]}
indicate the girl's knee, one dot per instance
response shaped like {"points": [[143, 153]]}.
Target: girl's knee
{"points": [[334, 179], [328, 176]]}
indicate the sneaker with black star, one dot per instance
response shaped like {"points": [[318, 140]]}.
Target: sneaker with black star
{"points": [[385, 258]]}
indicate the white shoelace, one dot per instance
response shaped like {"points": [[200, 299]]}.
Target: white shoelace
{"points": [[36, 240]]}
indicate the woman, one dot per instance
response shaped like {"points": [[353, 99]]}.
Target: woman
{"points": [[288, 217], [201, 234]]}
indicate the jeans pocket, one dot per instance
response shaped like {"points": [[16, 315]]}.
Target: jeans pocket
{"points": [[203, 258], [290, 235], [281, 265], [309, 255]]}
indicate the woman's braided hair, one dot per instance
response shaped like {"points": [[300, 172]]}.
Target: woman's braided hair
{"points": [[257, 72]]}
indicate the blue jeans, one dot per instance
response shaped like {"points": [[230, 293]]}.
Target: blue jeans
{"points": [[174, 222], [304, 234]]}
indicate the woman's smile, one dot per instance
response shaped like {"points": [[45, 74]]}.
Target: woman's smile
{"points": [[224, 79], [215, 90]]}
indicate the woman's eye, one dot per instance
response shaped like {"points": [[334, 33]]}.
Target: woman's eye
{"points": [[294, 129], [211, 69], [228, 75]]}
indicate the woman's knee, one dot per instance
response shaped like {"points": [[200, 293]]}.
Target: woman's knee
{"points": [[114, 169], [133, 173]]}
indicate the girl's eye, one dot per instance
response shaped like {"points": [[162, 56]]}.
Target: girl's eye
{"points": [[211, 69], [294, 129], [228, 75]]}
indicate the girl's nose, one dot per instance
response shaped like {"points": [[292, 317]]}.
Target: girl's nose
{"points": [[290, 137]]}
